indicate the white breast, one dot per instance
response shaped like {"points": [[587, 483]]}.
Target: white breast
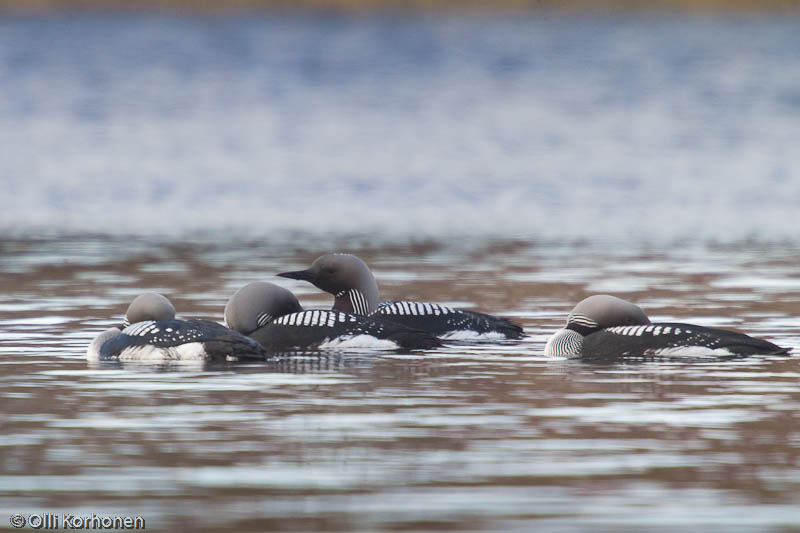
{"points": [[191, 351], [347, 342], [689, 351], [469, 335], [93, 351]]}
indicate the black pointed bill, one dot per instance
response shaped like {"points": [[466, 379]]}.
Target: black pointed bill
{"points": [[304, 275]]}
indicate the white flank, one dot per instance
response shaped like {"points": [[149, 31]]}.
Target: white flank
{"points": [[690, 351], [191, 351], [469, 335], [348, 342]]}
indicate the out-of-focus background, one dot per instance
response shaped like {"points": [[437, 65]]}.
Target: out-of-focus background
{"points": [[523, 120]]}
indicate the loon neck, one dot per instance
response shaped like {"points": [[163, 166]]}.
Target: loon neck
{"points": [[354, 301], [582, 329], [564, 343]]}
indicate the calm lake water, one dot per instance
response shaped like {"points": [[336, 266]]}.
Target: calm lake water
{"points": [[513, 164], [488, 437]]}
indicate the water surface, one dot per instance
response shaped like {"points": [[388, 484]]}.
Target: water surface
{"points": [[484, 438]]}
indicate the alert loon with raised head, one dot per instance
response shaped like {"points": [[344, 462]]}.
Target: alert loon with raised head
{"points": [[606, 327], [272, 315], [355, 290], [150, 332]]}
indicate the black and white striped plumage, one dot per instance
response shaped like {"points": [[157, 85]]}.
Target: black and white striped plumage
{"points": [[447, 322], [673, 339], [179, 340], [319, 329], [328, 329], [355, 290], [605, 328], [151, 333]]}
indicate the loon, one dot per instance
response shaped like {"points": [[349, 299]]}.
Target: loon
{"points": [[355, 290], [272, 316], [606, 327], [150, 332]]}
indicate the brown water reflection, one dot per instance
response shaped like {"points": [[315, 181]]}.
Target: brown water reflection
{"points": [[488, 437]]}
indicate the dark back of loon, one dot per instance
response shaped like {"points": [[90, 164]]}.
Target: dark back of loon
{"points": [[273, 316], [355, 290]]}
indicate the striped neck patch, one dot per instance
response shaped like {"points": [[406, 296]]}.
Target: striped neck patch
{"points": [[359, 302], [582, 320], [564, 342], [263, 319]]}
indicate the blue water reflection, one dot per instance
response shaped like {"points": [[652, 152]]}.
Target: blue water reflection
{"points": [[402, 126]]}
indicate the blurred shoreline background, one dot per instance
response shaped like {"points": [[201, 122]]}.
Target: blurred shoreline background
{"points": [[406, 5], [565, 122]]}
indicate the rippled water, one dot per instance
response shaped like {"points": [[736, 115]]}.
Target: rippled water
{"points": [[489, 437]]}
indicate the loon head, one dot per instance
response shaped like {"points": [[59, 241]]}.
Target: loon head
{"points": [[257, 304], [603, 311], [149, 306], [593, 314], [345, 276]]}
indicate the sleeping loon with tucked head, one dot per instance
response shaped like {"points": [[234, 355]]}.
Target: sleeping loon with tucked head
{"points": [[150, 332], [606, 327], [355, 290], [272, 315]]}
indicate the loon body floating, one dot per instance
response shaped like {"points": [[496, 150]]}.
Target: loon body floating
{"points": [[355, 290], [272, 315], [606, 327], [150, 332]]}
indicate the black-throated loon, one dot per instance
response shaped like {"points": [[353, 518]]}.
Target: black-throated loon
{"points": [[272, 315], [606, 327], [355, 290], [151, 332]]}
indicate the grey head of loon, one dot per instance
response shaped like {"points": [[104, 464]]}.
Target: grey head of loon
{"points": [[146, 307], [149, 306], [604, 311], [257, 304], [593, 314], [345, 276]]}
